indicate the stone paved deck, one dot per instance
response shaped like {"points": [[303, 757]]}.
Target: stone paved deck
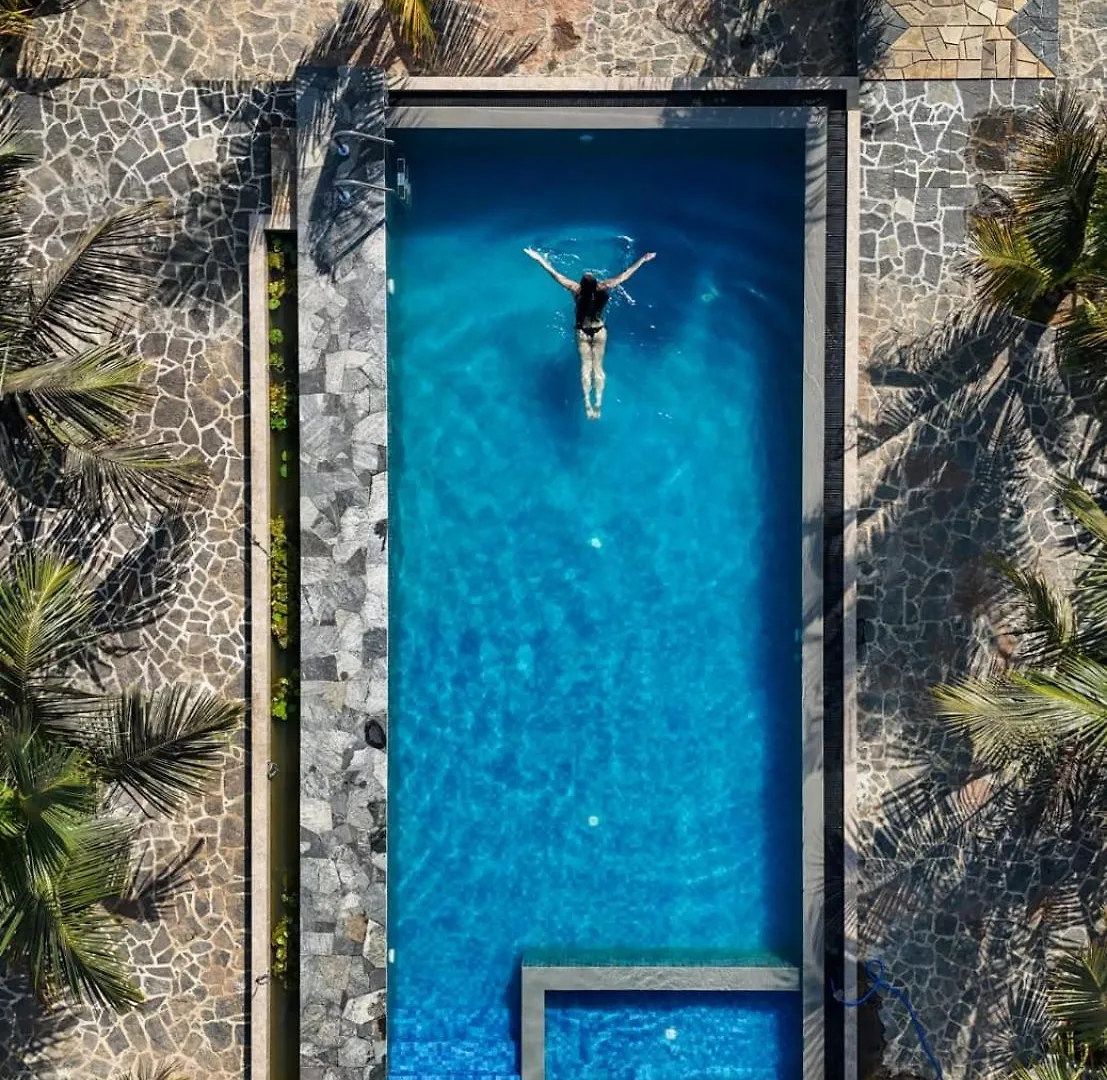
{"points": [[109, 143], [963, 429]]}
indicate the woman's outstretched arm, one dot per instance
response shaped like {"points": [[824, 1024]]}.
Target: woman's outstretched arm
{"points": [[634, 267], [543, 262]]}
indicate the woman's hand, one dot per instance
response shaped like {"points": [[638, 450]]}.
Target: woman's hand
{"points": [[649, 255], [533, 254]]}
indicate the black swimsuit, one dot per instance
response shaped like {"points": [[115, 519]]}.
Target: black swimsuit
{"points": [[589, 312]]}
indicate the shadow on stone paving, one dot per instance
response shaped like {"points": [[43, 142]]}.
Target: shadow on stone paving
{"points": [[152, 892], [777, 37], [348, 203], [27, 1030], [347, 208], [205, 266], [963, 869], [465, 44]]}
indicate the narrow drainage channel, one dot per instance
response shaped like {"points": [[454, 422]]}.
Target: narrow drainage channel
{"points": [[284, 653]]}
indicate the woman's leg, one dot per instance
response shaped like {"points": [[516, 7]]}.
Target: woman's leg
{"points": [[584, 347], [599, 347]]}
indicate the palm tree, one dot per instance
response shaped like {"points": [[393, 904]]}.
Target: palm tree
{"points": [[1041, 253], [413, 19], [72, 763], [170, 1071], [1076, 1006], [71, 380], [1049, 708]]}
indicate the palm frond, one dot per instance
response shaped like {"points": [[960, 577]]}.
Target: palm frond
{"points": [[163, 747], [1020, 716], [95, 290], [1071, 701], [1052, 626], [414, 22], [131, 477], [1078, 994], [16, 156], [168, 1071], [1000, 717], [1008, 274], [1079, 502], [1053, 1067], [1057, 174], [45, 619], [11, 818], [90, 395], [54, 792], [1092, 578], [1082, 342], [57, 930], [14, 23]]}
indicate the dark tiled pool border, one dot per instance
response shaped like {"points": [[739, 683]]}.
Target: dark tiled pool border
{"points": [[344, 601]]}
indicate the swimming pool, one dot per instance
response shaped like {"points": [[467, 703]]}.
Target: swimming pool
{"points": [[595, 627]]}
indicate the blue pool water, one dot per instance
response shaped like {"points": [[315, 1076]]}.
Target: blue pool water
{"points": [[673, 1036], [595, 730]]}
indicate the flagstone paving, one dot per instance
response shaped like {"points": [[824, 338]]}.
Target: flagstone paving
{"points": [[108, 143], [972, 39]]}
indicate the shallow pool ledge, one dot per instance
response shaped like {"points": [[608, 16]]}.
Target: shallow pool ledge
{"points": [[536, 981]]}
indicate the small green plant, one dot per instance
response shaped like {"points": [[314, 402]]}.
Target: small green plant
{"points": [[277, 289], [285, 468], [283, 932], [276, 355], [278, 580], [281, 703], [278, 406]]}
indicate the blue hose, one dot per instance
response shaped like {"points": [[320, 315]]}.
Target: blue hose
{"points": [[874, 969]]}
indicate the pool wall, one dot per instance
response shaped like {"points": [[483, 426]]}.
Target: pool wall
{"points": [[344, 601]]}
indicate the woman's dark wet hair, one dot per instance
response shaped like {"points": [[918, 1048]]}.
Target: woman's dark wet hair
{"points": [[591, 299]]}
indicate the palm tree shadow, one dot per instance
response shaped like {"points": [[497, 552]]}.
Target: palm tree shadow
{"points": [[362, 35], [348, 204], [27, 1030], [969, 426], [206, 260], [782, 37], [152, 892]]}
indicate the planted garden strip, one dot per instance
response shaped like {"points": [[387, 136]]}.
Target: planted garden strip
{"points": [[284, 653]]}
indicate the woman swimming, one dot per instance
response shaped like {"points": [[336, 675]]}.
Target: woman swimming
{"points": [[591, 297]]}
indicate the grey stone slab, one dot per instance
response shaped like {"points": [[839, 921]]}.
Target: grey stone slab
{"points": [[344, 579]]}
